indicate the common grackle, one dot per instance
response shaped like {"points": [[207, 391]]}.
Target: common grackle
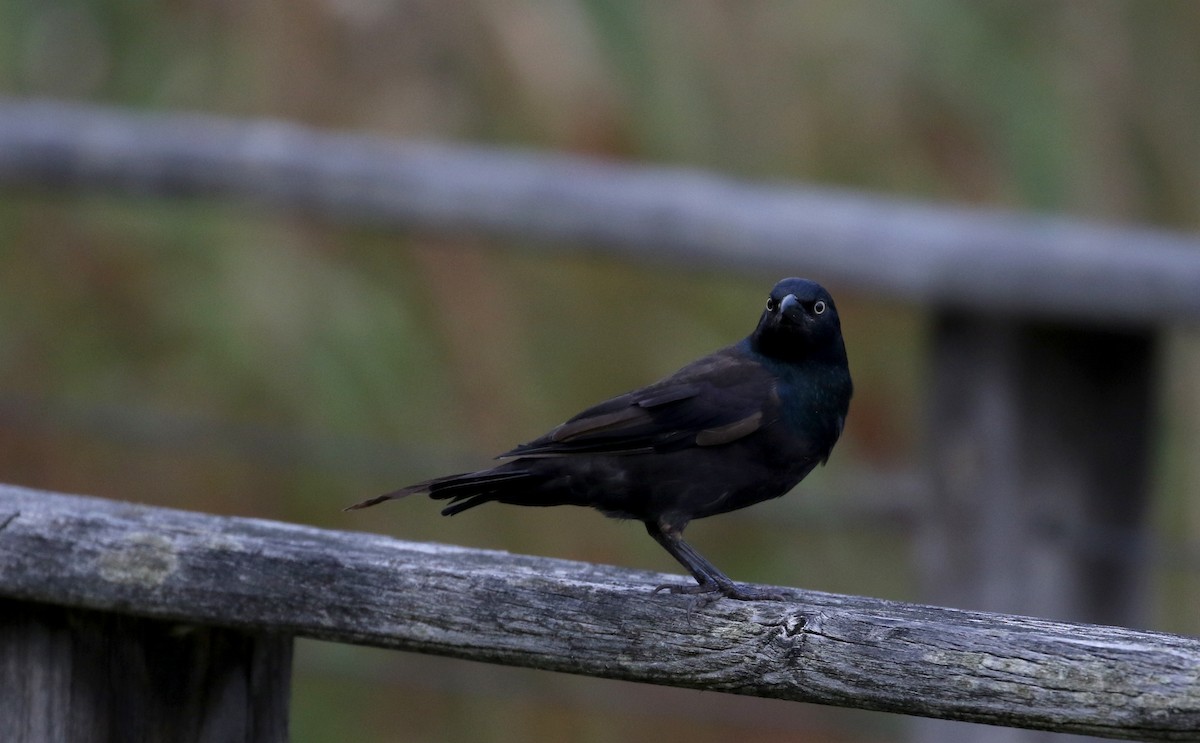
{"points": [[737, 427]]}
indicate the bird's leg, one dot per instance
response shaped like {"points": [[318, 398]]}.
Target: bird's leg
{"points": [[708, 578]]}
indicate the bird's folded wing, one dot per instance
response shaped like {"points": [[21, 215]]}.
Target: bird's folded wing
{"points": [[704, 406]]}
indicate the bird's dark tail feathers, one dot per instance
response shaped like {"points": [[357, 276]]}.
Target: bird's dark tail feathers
{"points": [[464, 491]]}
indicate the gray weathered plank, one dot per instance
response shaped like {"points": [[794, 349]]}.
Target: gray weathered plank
{"points": [[1039, 438], [89, 676], [945, 255], [595, 620]]}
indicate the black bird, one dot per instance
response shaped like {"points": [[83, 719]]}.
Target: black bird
{"points": [[737, 427]]}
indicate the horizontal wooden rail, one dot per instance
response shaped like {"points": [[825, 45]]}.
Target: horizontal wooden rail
{"points": [[596, 620], [942, 255]]}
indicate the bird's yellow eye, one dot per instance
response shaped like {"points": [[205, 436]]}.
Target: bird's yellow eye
{"points": [[819, 306], [770, 304]]}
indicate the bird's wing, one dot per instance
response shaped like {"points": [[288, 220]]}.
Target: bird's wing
{"points": [[713, 401]]}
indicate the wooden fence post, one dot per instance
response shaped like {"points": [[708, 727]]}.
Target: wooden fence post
{"points": [[80, 675], [1039, 443]]}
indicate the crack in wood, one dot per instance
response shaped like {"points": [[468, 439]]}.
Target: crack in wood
{"points": [[6, 520]]}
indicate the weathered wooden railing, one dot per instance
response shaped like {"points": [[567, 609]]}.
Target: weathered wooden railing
{"points": [[1045, 352], [187, 619]]}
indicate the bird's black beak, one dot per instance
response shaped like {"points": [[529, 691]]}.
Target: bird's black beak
{"points": [[791, 308]]}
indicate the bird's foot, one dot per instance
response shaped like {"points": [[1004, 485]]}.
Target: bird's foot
{"points": [[714, 590]]}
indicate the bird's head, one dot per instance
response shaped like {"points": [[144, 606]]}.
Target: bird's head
{"points": [[800, 321]]}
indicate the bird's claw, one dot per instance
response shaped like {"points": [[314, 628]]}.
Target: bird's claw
{"points": [[715, 590]]}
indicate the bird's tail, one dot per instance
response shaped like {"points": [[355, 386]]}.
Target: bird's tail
{"points": [[463, 491]]}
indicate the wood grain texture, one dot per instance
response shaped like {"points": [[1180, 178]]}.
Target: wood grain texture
{"points": [[595, 620], [946, 255], [87, 676]]}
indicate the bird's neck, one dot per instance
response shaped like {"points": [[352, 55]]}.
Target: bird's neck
{"points": [[815, 389], [791, 357]]}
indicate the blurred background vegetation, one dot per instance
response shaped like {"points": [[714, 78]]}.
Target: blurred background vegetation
{"points": [[211, 357]]}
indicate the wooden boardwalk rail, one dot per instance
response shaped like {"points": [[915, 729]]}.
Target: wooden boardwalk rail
{"points": [[228, 594], [939, 255]]}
